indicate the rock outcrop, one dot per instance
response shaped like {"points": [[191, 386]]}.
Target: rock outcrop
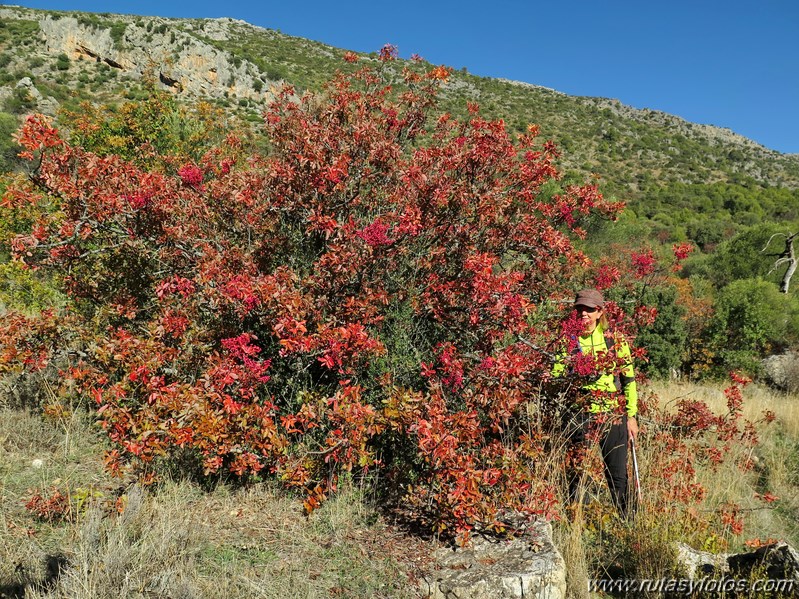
{"points": [[775, 562], [782, 371], [46, 105], [529, 567], [696, 564], [180, 61]]}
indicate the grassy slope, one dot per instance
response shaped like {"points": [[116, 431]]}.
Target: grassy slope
{"points": [[178, 540]]}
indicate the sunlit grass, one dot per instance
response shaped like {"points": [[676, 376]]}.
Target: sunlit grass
{"points": [[776, 458], [176, 539], [596, 544]]}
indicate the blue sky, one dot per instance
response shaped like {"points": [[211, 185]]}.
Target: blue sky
{"points": [[728, 63]]}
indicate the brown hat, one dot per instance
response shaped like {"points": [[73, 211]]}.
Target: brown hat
{"points": [[589, 297]]}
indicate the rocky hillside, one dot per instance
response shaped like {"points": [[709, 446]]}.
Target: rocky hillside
{"points": [[50, 59]]}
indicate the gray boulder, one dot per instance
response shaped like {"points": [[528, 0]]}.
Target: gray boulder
{"points": [[44, 104], [782, 371], [773, 562], [696, 564], [529, 566]]}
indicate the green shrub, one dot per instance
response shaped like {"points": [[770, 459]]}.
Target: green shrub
{"points": [[752, 318], [19, 102], [62, 62], [666, 339], [26, 290], [8, 148], [118, 32], [742, 257]]}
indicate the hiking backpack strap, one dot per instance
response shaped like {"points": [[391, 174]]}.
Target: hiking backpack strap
{"points": [[618, 379], [621, 380]]}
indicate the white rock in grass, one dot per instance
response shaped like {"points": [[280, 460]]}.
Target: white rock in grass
{"points": [[527, 567], [37, 463]]}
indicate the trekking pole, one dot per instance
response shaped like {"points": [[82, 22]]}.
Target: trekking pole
{"points": [[635, 471]]}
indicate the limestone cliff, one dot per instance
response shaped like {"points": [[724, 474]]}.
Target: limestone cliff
{"points": [[176, 55]]}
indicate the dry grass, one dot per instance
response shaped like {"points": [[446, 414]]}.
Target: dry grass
{"points": [[178, 541], [776, 459], [182, 543], [595, 543], [757, 399]]}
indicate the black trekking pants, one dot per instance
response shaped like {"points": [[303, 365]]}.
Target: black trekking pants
{"points": [[612, 435]]}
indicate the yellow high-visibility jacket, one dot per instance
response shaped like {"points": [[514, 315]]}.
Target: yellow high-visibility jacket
{"points": [[594, 344]]}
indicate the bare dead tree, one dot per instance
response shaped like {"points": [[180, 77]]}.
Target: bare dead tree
{"points": [[787, 256]]}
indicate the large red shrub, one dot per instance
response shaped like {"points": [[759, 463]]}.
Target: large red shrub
{"points": [[379, 289]]}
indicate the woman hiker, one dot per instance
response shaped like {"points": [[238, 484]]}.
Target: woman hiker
{"points": [[610, 403]]}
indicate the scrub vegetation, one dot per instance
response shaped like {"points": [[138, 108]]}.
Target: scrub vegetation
{"points": [[351, 311]]}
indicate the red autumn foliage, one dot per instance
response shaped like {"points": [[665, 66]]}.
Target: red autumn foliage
{"points": [[681, 251], [643, 263], [691, 436], [758, 543], [191, 175], [376, 291], [52, 507], [388, 52]]}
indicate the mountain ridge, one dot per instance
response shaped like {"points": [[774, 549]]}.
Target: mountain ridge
{"points": [[235, 62], [723, 132]]}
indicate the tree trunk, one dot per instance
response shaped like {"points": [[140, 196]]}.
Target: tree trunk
{"points": [[790, 257], [786, 279]]}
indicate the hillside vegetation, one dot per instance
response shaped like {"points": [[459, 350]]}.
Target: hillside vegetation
{"points": [[682, 182], [630, 149], [351, 291]]}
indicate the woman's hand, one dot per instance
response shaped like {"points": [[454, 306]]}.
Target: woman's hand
{"points": [[632, 428]]}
